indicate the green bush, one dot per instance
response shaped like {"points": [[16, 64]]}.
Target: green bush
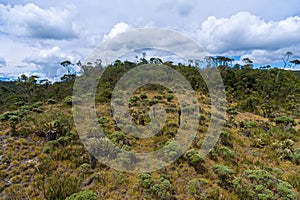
{"points": [[196, 187], [225, 175], [231, 111], [169, 97], [116, 137], [134, 99], [145, 180], [103, 120], [162, 190], [260, 184], [83, 195], [194, 159], [172, 151], [285, 120], [68, 100], [9, 114], [225, 139], [250, 124], [143, 96], [296, 157], [225, 153]]}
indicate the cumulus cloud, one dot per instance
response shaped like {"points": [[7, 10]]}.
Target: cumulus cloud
{"points": [[117, 29], [32, 21], [244, 31], [48, 62], [2, 62]]}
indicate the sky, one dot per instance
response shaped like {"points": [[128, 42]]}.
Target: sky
{"points": [[36, 35]]}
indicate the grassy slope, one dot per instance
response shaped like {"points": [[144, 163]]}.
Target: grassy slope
{"points": [[32, 167]]}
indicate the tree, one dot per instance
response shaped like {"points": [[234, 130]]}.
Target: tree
{"points": [[286, 58], [67, 65], [248, 62], [295, 62]]}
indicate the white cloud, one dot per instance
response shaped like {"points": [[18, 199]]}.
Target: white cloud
{"points": [[48, 61], [32, 21], [244, 31], [2, 62], [117, 29]]}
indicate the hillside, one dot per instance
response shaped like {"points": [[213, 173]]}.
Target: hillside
{"points": [[256, 157]]}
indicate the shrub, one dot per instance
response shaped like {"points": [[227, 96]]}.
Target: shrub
{"points": [[285, 120], [145, 180], [169, 97], [68, 100], [225, 139], [162, 190], [7, 115], [26, 108], [83, 195], [116, 137], [231, 111], [51, 101], [172, 151], [47, 149], [103, 120], [85, 167], [38, 110], [194, 159], [260, 184], [296, 157], [134, 99], [153, 101], [250, 124], [225, 153], [58, 186], [196, 187], [143, 96], [225, 175]]}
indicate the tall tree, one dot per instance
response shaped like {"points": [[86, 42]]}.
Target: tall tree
{"points": [[67, 65], [286, 58]]}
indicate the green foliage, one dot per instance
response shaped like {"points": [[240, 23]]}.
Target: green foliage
{"points": [[296, 157], [162, 189], [134, 99], [194, 159], [85, 167], [152, 189], [231, 111], [285, 120], [83, 195], [59, 187], [145, 180], [196, 188], [143, 96], [226, 153], [262, 185], [172, 151], [250, 124], [225, 175], [103, 120], [116, 137], [169, 97], [226, 139], [68, 100]]}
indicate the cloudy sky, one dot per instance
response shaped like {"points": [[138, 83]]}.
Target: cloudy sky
{"points": [[36, 35]]}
